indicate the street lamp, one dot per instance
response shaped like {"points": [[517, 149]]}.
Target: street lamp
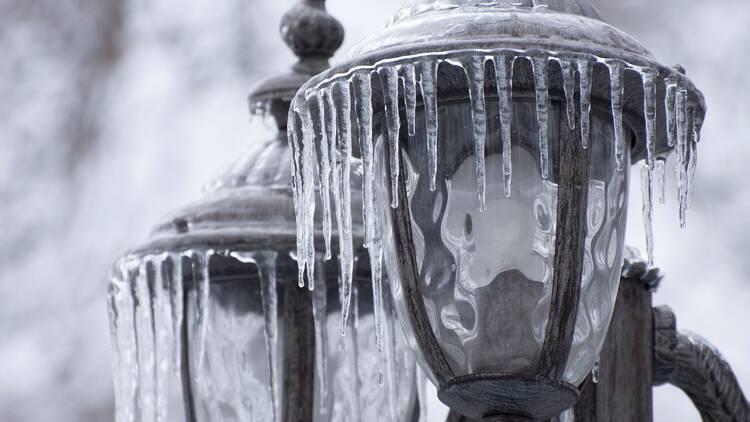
{"points": [[495, 141], [213, 295]]}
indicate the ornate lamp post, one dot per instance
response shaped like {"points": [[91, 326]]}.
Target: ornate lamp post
{"points": [[495, 141], [213, 294]]}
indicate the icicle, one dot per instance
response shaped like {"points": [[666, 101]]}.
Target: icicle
{"points": [[308, 192], [200, 264], [670, 99], [410, 97], [342, 194], [616, 75], [660, 181], [266, 264], [421, 379], [298, 181], [569, 80], [125, 348], [321, 335], [325, 169], [648, 211], [176, 296], [376, 267], [114, 320], [363, 109], [389, 83], [145, 335], [682, 148], [585, 71], [505, 93], [162, 311], [352, 357], [692, 164], [649, 110], [427, 81], [474, 68], [542, 109], [390, 365]]}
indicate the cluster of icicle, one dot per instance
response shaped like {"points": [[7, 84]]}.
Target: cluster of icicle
{"points": [[146, 314], [320, 132]]}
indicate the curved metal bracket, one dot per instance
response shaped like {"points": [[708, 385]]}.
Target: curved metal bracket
{"points": [[693, 365]]}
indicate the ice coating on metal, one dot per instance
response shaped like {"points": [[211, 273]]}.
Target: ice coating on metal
{"points": [[353, 98]]}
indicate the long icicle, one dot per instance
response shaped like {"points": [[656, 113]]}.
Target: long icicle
{"points": [[174, 273], [342, 101], [308, 192], [474, 68], [390, 363], [363, 108], [649, 110], [145, 338], [648, 211], [410, 96], [692, 161], [427, 81], [295, 135], [585, 72], [266, 263], [670, 99], [162, 310], [505, 93], [682, 139], [541, 79], [389, 84], [352, 359], [616, 75], [660, 181], [200, 264], [325, 169], [321, 335]]}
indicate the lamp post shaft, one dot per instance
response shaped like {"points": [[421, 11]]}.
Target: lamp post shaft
{"points": [[624, 388]]}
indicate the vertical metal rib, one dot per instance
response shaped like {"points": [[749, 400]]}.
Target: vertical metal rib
{"points": [[410, 283], [569, 247], [299, 355]]}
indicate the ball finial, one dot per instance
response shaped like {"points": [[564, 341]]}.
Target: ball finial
{"points": [[312, 34]]}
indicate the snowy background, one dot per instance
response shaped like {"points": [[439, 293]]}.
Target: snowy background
{"points": [[115, 112]]}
